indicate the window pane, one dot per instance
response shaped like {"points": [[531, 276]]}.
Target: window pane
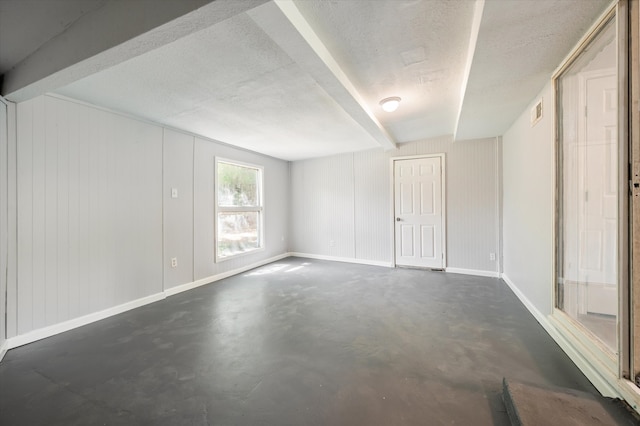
{"points": [[588, 188], [237, 232], [237, 185]]}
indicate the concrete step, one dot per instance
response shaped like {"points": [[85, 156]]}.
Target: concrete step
{"points": [[529, 405]]}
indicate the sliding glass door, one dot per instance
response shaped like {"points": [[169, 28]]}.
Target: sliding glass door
{"points": [[588, 217]]}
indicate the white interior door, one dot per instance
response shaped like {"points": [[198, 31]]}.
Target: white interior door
{"points": [[598, 217], [418, 193]]}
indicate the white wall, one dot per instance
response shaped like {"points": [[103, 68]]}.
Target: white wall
{"points": [[178, 229], [89, 211], [528, 173], [4, 218], [96, 222], [346, 200]]}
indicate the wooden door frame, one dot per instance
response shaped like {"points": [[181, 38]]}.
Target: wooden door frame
{"points": [[443, 192]]}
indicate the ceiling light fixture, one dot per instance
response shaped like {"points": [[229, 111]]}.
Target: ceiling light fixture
{"points": [[390, 104]]}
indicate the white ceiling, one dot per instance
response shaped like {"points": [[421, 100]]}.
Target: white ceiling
{"points": [[412, 49], [303, 79], [25, 25]]}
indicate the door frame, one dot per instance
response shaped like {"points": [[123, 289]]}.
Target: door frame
{"points": [[443, 191], [608, 372]]}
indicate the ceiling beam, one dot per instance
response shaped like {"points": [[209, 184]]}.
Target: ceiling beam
{"points": [[282, 21], [114, 33], [473, 40]]}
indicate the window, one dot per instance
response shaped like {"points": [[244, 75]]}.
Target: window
{"points": [[239, 209]]}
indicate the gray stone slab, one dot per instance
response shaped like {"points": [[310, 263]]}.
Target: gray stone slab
{"points": [[529, 405]]}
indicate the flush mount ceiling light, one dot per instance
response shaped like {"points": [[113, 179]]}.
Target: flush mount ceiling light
{"points": [[390, 104]]}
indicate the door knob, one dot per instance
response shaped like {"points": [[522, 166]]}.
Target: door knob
{"points": [[398, 219]]}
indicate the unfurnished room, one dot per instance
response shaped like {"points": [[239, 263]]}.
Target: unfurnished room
{"points": [[319, 212]]}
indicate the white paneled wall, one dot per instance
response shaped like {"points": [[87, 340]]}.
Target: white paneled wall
{"points": [[349, 196], [4, 220], [372, 208], [178, 212], [89, 211], [324, 206], [96, 224]]}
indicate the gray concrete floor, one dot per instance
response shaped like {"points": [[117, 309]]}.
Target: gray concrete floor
{"points": [[296, 342]]}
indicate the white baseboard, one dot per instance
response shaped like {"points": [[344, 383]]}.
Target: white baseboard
{"points": [[52, 330], [607, 386], [188, 286], [476, 272], [4, 347], [343, 259]]}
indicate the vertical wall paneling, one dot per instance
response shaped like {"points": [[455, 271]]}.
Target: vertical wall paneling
{"points": [[12, 254], [4, 217], [276, 206], [338, 206], [178, 212], [51, 192], [323, 206], [62, 211], [472, 205], [25, 178], [89, 208], [372, 193], [91, 190], [146, 168], [203, 209], [83, 117], [72, 209], [39, 214], [354, 189]]}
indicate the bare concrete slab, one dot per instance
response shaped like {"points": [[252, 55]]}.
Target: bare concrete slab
{"points": [[529, 405], [295, 342]]}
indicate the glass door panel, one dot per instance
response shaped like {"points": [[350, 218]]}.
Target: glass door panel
{"points": [[587, 99]]}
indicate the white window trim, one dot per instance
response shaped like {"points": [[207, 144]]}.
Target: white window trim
{"points": [[220, 209]]}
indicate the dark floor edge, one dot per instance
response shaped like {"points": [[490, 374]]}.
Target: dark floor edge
{"points": [[512, 410]]}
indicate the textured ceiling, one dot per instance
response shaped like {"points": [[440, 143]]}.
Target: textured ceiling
{"points": [[230, 83], [303, 79], [520, 43], [33, 23], [412, 49]]}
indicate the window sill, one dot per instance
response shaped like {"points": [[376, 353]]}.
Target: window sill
{"points": [[237, 255]]}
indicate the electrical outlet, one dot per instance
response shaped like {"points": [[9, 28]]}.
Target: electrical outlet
{"points": [[174, 192], [174, 262], [492, 256]]}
